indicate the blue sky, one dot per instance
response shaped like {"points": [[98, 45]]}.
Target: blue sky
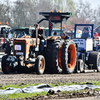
{"points": [[94, 3]]}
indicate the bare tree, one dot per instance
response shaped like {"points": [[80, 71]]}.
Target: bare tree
{"points": [[83, 10], [96, 17], [4, 13], [26, 12]]}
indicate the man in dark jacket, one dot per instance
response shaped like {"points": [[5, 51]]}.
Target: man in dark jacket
{"points": [[40, 35], [40, 32], [64, 36], [85, 33]]}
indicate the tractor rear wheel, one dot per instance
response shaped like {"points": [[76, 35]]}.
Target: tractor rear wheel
{"points": [[6, 69], [94, 61], [40, 64], [53, 56], [68, 56]]}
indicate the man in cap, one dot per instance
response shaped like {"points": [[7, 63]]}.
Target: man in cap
{"points": [[85, 33], [40, 31]]}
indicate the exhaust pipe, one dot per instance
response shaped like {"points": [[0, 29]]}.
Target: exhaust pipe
{"points": [[36, 35]]}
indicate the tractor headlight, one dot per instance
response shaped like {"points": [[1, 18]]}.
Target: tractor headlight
{"points": [[8, 59], [11, 58]]}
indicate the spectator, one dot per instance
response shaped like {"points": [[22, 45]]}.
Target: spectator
{"points": [[64, 36], [97, 33]]}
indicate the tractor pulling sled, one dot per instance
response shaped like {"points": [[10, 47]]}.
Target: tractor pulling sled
{"points": [[59, 55]]}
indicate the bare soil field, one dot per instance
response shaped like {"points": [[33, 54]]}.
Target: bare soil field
{"points": [[47, 78], [51, 78]]}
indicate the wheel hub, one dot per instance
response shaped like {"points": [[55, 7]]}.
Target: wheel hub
{"points": [[41, 64]]}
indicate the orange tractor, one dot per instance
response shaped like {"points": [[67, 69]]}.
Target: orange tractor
{"points": [[59, 55]]}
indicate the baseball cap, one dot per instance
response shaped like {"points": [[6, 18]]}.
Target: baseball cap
{"points": [[86, 28]]}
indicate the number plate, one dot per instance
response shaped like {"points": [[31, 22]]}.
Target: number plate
{"points": [[17, 47], [19, 53]]}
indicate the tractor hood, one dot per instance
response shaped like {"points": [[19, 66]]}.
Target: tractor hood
{"points": [[21, 46]]}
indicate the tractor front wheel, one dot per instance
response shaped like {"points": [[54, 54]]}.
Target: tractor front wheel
{"points": [[40, 65]]}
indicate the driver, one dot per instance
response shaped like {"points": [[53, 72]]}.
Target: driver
{"points": [[40, 35], [85, 33]]}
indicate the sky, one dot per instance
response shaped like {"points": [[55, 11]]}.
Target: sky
{"points": [[94, 3]]}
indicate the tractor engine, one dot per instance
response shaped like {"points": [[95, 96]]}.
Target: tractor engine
{"points": [[23, 50]]}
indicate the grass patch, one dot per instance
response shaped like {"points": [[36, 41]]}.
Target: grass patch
{"points": [[27, 95], [53, 85], [21, 95], [16, 86], [61, 84], [69, 92]]}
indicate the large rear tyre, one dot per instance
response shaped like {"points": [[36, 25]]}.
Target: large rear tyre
{"points": [[40, 65], [94, 61], [68, 56], [53, 56], [6, 69]]}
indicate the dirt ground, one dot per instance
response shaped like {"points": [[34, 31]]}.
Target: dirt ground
{"points": [[85, 98], [47, 78], [52, 78]]}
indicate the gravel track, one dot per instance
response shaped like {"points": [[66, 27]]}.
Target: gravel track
{"points": [[47, 78]]}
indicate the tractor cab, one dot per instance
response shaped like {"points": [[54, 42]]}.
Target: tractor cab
{"points": [[54, 18], [20, 31], [83, 37]]}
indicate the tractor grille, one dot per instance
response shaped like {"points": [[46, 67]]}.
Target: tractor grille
{"points": [[19, 49]]}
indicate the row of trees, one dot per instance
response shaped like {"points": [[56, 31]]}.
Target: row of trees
{"points": [[26, 12]]}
